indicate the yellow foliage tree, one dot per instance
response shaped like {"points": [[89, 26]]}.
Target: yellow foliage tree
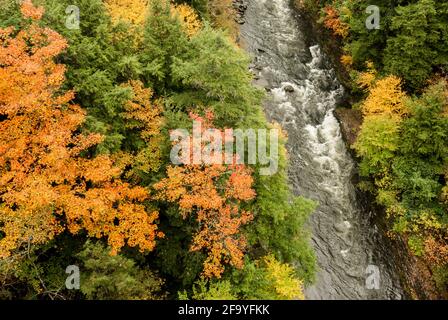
{"points": [[445, 189], [131, 11], [222, 14], [188, 18], [366, 79], [386, 98], [282, 276], [144, 116]]}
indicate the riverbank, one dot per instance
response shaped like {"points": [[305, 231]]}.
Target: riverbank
{"points": [[415, 274], [302, 94]]}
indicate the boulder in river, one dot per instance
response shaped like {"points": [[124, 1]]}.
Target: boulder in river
{"points": [[288, 88]]}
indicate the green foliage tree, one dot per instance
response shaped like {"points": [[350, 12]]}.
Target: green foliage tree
{"points": [[267, 279], [115, 277], [419, 41], [163, 41], [210, 290], [214, 73], [377, 143]]}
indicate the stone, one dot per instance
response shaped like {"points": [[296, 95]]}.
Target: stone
{"points": [[288, 88]]}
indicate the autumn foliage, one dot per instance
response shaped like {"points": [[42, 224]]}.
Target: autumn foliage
{"points": [[436, 250], [144, 116], [46, 186], [333, 22], [213, 194], [85, 173], [135, 12], [131, 11], [188, 18], [386, 97]]}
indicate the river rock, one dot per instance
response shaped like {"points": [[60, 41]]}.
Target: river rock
{"points": [[288, 88], [240, 20], [342, 227], [240, 8]]}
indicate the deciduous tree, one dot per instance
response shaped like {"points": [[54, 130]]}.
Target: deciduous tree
{"points": [[46, 187], [132, 11], [332, 21], [386, 98], [144, 117], [188, 18], [213, 194]]}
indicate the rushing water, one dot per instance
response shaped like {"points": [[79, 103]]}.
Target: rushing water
{"points": [[303, 91]]}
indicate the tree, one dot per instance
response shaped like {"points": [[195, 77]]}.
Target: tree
{"points": [[210, 290], [444, 195], [378, 140], [267, 279], [222, 13], [131, 11], [214, 194], [133, 92], [107, 277], [144, 118], [100, 57], [46, 187], [419, 41], [332, 21], [367, 78], [213, 73], [188, 18], [164, 40], [365, 44], [284, 282], [425, 133], [385, 98], [199, 5]]}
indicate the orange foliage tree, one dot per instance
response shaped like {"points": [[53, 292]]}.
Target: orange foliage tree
{"points": [[145, 117], [46, 187], [332, 21], [436, 250], [213, 193]]}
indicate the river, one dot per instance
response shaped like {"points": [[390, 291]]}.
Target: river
{"points": [[353, 256]]}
